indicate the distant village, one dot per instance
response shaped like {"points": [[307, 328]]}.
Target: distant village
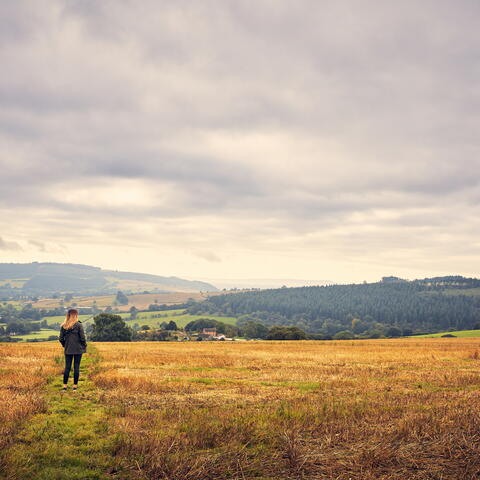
{"points": [[206, 334]]}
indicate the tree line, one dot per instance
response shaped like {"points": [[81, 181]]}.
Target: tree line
{"points": [[112, 328], [391, 307]]}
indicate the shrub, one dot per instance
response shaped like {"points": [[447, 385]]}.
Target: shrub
{"points": [[344, 335]]}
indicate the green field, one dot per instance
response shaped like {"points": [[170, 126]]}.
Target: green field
{"points": [[147, 318], [151, 318], [61, 318], [459, 333], [43, 334], [15, 303], [83, 318], [462, 291], [163, 314]]}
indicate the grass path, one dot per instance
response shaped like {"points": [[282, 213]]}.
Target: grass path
{"points": [[71, 440]]}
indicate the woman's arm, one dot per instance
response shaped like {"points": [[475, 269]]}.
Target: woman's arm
{"points": [[83, 340], [61, 338]]}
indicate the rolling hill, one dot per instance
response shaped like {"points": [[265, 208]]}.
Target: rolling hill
{"points": [[19, 279]]}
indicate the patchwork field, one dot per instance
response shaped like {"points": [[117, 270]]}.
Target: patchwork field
{"points": [[140, 301], [158, 316], [375, 409], [152, 319]]}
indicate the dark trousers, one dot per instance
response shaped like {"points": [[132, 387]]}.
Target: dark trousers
{"points": [[68, 366]]}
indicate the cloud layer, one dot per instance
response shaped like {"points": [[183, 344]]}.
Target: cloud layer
{"points": [[241, 139]]}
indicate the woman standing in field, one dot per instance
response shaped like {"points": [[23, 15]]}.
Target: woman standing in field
{"points": [[72, 338]]}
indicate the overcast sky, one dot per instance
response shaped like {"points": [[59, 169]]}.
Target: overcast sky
{"points": [[299, 139]]}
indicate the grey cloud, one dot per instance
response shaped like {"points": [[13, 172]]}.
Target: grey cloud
{"points": [[10, 246], [123, 91], [38, 245], [19, 21], [208, 256]]}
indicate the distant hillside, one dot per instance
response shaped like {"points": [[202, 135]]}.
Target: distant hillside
{"points": [[428, 305], [35, 278], [248, 283]]}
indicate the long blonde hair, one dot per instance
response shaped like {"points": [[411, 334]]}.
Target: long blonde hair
{"points": [[71, 319]]}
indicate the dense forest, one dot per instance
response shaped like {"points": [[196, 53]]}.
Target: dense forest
{"points": [[393, 307]]}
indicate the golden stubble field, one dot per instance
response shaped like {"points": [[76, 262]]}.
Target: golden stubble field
{"points": [[402, 409], [375, 409], [24, 371]]}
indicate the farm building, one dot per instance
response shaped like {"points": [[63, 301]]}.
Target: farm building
{"points": [[212, 332]]}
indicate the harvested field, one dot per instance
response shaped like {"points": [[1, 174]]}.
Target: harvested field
{"points": [[375, 409], [24, 370], [397, 409]]}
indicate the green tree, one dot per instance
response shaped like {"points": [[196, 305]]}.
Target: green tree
{"points": [[171, 325], [359, 326], [133, 312], [121, 298], [286, 333], [201, 323], [110, 328], [344, 335], [393, 332], [255, 330], [231, 330], [95, 308], [374, 333]]}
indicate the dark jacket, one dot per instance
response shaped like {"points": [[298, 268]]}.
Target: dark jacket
{"points": [[73, 339]]}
